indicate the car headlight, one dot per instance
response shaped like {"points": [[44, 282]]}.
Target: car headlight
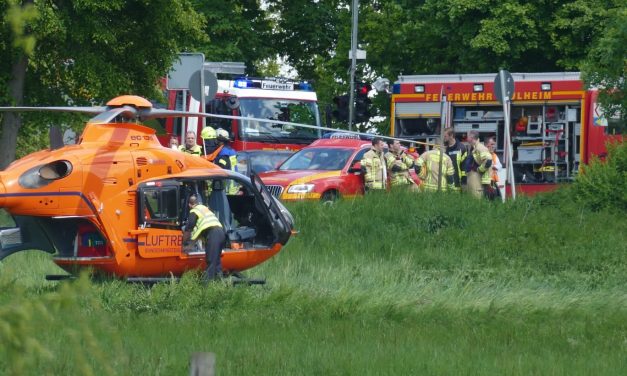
{"points": [[300, 188]]}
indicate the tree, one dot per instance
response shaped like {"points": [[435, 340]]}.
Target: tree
{"points": [[605, 66], [86, 52], [237, 30]]}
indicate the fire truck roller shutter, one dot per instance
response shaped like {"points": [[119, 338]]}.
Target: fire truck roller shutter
{"points": [[414, 119]]}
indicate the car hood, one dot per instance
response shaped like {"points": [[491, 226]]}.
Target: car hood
{"points": [[285, 178]]}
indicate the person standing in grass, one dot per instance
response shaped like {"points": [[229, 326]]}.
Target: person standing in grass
{"points": [[493, 191], [479, 169], [398, 164], [206, 226], [374, 166], [429, 166], [457, 152]]}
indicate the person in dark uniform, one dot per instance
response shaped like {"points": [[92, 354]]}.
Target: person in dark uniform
{"points": [[203, 224], [457, 152]]}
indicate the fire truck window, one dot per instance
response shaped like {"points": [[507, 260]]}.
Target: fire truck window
{"points": [[217, 106], [418, 127]]}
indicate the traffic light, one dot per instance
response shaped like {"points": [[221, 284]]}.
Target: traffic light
{"points": [[341, 108], [362, 102]]}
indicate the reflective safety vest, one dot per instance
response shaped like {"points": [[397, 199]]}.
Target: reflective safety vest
{"points": [[458, 153], [206, 219], [398, 168], [481, 155], [227, 159], [429, 163], [195, 150], [373, 163]]}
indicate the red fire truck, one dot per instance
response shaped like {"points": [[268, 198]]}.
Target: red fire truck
{"points": [[556, 123], [266, 98]]}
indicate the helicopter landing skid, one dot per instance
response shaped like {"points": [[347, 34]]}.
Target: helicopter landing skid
{"points": [[59, 277], [239, 279], [234, 278]]}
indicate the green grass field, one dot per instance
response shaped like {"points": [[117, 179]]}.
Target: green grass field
{"points": [[388, 284]]}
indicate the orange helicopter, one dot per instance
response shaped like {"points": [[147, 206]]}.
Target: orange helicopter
{"points": [[116, 201]]}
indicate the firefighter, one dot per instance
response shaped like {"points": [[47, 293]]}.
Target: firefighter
{"points": [[457, 152], [190, 145], [226, 158], [206, 226], [210, 143], [428, 167], [398, 164], [374, 167], [479, 167]]}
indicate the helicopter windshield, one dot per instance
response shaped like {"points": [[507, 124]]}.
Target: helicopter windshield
{"points": [[290, 110]]}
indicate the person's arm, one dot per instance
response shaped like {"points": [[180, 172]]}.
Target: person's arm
{"points": [[191, 223]]}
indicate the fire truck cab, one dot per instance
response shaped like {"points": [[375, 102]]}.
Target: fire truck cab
{"points": [[555, 122], [266, 98]]}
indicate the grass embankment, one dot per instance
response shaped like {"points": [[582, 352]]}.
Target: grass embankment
{"points": [[388, 284]]}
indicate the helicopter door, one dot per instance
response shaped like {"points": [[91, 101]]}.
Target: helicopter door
{"points": [[282, 221], [21, 233], [159, 233]]}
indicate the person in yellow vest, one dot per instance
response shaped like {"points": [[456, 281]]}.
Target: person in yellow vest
{"points": [[203, 224], [428, 168], [479, 169], [457, 152], [190, 145], [374, 167], [398, 164]]}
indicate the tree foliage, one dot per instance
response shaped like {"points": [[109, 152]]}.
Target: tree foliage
{"points": [[87, 52]]}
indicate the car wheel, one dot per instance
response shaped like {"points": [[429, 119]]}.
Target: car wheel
{"points": [[329, 196]]}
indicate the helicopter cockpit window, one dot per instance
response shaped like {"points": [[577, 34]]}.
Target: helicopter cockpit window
{"points": [[160, 207]]}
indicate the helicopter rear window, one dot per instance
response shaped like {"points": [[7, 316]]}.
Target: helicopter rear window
{"points": [[160, 206]]}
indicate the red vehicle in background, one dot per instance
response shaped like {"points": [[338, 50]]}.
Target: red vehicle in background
{"points": [[326, 170], [265, 98], [556, 124]]}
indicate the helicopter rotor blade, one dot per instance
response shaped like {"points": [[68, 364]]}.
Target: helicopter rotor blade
{"points": [[81, 110], [161, 113], [127, 112]]}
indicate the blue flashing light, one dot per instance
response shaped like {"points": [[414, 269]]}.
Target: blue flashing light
{"points": [[306, 86], [242, 83], [396, 89]]}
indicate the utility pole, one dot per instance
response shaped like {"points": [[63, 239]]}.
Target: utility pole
{"points": [[351, 108]]}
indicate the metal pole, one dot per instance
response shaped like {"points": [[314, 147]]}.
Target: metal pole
{"points": [[351, 105], [443, 120], [508, 138], [184, 120], [202, 98]]}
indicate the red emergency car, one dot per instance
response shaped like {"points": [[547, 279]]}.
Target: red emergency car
{"points": [[325, 170]]}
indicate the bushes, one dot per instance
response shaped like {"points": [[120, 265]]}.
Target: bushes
{"points": [[603, 184]]}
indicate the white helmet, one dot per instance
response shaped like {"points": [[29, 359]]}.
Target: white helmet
{"points": [[222, 134]]}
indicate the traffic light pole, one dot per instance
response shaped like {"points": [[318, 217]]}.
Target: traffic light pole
{"points": [[351, 101]]}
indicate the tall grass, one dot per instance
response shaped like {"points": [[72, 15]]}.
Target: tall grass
{"points": [[386, 284]]}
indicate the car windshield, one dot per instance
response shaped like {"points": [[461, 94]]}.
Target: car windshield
{"points": [[291, 110], [260, 161], [318, 159]]}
